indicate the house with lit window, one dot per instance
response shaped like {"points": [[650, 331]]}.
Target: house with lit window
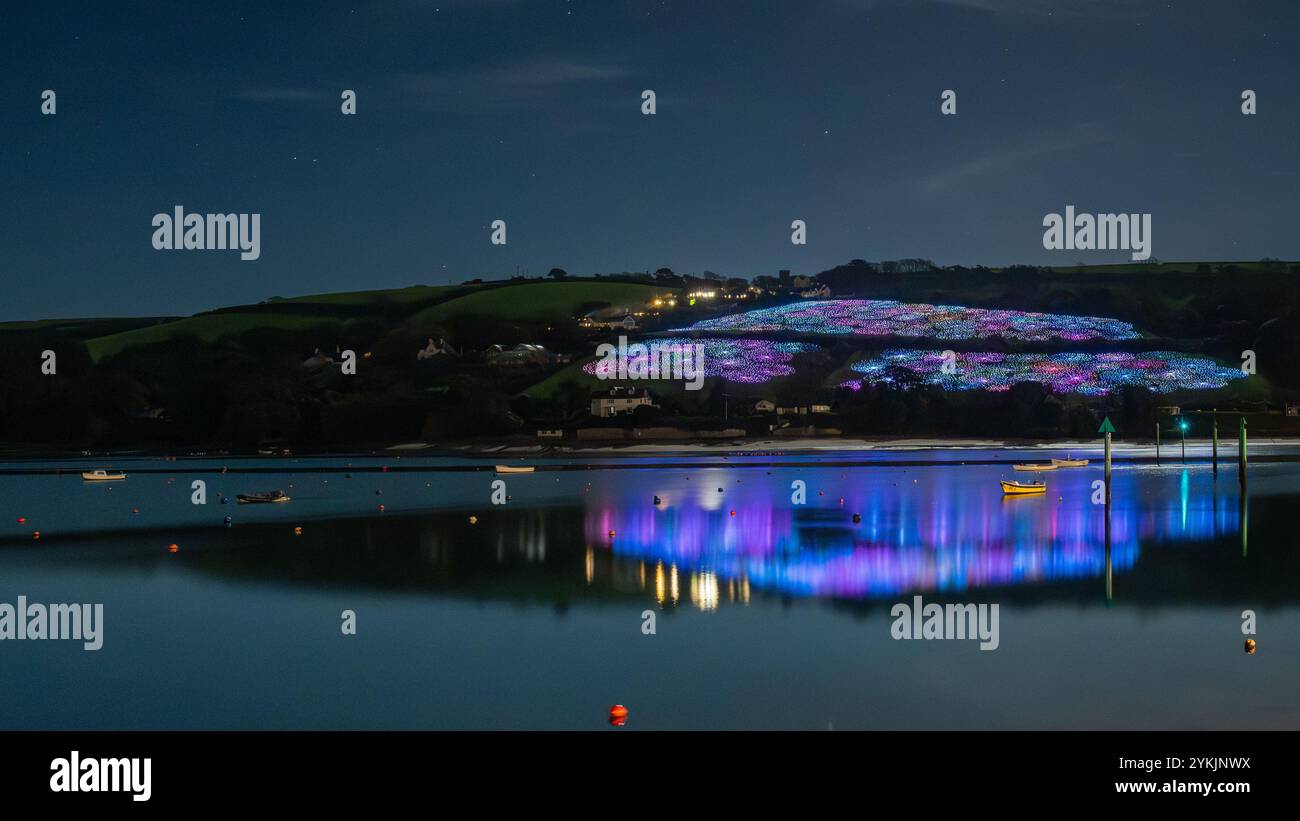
{"points": [[617, 401]]}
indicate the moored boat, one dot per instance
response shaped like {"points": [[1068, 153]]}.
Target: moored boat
{"points": [[262, 498], [515, 469], [1070, 463], [102, 475], [1035, 467], [1011, 488]]}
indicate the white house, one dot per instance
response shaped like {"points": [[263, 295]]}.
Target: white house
{"points": [[619, 400]]}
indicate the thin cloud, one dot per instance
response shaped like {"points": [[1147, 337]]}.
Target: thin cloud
{"points": [[283, 95], [520, 83], [527, 75], [1012, 158], [1035, 8]]}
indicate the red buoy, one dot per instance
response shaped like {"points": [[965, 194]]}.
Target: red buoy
{"points": [[618, 715]]}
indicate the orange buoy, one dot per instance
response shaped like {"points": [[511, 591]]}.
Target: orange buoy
{"points": [[611, 534], [473, 520], [381, 508], [1250, 647], [36, 534], [618, 715], [297, 531], [135, 510], [173, 548], [22, 520], [733, 513]]}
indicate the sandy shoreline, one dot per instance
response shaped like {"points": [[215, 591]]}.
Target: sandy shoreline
{"points": [[1227, 447], [1029, 449]]}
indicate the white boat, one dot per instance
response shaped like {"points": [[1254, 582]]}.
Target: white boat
{"points": [[102, 475], [1070, 463], [1034, 468], [515, 469]]}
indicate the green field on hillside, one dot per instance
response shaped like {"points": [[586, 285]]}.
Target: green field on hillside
{"points": [[574, 374], [82, 327], [538, 302], [541, 301], [412, 294], [206, 327]]}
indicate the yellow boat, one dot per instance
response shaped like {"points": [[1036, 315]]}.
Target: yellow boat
{"points": [[515, 469], [1035, 468], [102, 475], [1070, 463], [1022, 488]]}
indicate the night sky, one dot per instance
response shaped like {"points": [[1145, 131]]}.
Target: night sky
{"points": [[529, 111]]}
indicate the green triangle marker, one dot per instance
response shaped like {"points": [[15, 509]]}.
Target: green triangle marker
{"points": [[1106, 426]]}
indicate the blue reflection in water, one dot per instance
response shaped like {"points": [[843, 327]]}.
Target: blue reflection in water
{"points": [[950, 529]]}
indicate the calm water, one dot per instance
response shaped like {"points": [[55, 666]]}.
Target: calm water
{"points": [[769, 614]]}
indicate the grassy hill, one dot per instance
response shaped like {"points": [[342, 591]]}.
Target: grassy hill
{"points": [[205, 327], [235, 377], [400, 296], [417, 306], [542, 301]]}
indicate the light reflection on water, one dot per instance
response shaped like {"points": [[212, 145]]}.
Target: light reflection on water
{"points": [[949, 530]]}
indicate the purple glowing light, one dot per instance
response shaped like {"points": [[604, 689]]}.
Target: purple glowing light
{"points": [[1083, 373], [875, 317], [750, 361]]}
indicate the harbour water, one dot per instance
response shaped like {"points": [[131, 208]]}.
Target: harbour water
{"points": [[770, 609]]}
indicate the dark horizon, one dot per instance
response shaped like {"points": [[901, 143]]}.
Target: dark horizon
{"points": [[529, 111]]}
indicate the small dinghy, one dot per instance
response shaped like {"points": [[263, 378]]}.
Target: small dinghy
{"points": [[1022, 488], [102, 475], [515, 469], [262, 498]]}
